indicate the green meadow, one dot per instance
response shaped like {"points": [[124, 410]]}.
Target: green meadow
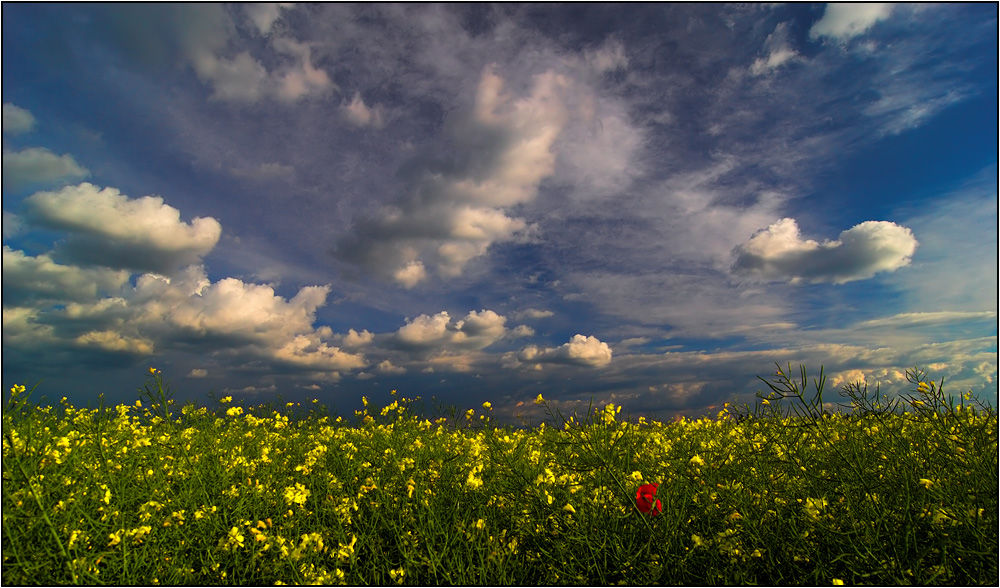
{"points": [[786, 491]]}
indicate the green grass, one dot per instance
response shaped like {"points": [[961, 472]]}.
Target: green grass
{"points": [[782, 492]]}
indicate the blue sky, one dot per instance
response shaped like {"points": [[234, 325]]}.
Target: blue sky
{"points": [[647, 204]]}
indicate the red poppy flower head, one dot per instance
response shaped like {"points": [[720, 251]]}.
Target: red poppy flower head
{"points": [[645, 500]]}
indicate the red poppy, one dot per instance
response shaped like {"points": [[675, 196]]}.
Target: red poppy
{"points": [[645, 499]]}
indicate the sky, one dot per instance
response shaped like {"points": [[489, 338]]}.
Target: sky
{"points": [[644, 204]]}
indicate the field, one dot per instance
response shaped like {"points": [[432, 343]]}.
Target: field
{"points": [[782, 492]]}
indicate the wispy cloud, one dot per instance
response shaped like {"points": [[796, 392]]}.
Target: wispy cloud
{"points": [[846, 20]]}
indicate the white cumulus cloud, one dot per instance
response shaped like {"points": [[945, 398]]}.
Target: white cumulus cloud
{"points": [[579, 350], [386, 367], [16, 120], [38, 278], [110, 229], [37, 165], [439, 332], [354, 339], [779, 253]]}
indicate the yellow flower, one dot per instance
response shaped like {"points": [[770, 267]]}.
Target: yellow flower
{"points": [[297, 494], [926, 483], [153, 371], [814, 506], [474, 481], [346, 551], [539, 399], [235, 538], [569, 508], [697, 460], [225, 399], [397, 575], [74, 536], [487, 405], [837, 582]]}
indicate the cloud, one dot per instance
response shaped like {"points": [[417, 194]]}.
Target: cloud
{"points": [[354, 339], [534, 313], [410, 274], [115, 342], [598, 152], [243, 322], [902, 112], [439, 332], [386, 367], [301, 78], [308, 351], [689, 300], [264, 14], [271, 170], [12, 225], [16, 121], [580, 350], [779, 253], [957, 268], [779, 52], [844, 21], [32, 280], [243, 78], [198, 373], [453, 209], [205, 37], [773, 60], [358, 113], [917, 319], [37, 165], [237, 79], [107, 228], [609, 56]]}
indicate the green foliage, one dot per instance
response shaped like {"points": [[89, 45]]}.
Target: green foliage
{"points": [[893, 491]]}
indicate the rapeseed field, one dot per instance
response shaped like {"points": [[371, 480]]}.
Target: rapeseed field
{"points": [[885, 491]]}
